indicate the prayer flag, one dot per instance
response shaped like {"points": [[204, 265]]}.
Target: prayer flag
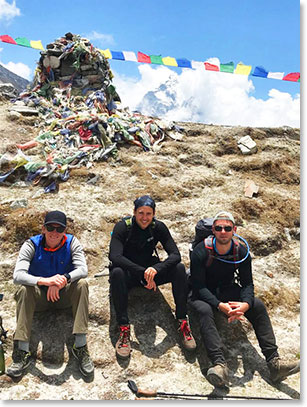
{"points": [[260, 71], [211, 67], [106, 53], [276, 75], [143, 58], [23, 41], [169, 61], [293, 76], [37, 45], [197, 64], [156, 59], [130, 56], [229, 67], [8, 39], [183, 63], [117, 55], [242, 69]]}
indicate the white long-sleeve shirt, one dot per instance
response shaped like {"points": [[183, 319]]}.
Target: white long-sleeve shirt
{"points": [[21, 272]]}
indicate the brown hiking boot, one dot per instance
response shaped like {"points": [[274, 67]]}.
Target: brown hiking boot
{"points": [[187, 339], [122, 347], [217, 375], [279, 370]]}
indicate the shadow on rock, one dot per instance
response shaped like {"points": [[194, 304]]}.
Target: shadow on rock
{"points": [[149, 315], [51, 332]]}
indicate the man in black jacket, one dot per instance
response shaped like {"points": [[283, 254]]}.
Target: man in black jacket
{"points": [[133, 264], [215, 288]]}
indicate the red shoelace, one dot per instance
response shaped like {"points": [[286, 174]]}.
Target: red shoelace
{"points": [[124, 335], [185, 329]]}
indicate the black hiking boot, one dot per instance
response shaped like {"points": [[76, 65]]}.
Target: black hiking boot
{"points": [[86, 365], [21, 360]]}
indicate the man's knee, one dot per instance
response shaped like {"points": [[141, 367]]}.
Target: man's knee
{"points": [[117, 274], [202, 308], [259, 306], [81, 286], [179, 272], [24, 291]]}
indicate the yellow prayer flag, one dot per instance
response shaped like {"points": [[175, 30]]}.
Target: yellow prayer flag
{"points": [[37, 45], [242, 69], [106, 53], [169, 61]]}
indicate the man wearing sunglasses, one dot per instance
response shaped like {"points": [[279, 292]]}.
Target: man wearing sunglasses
{"points": [[226, 287], [51, 269]]}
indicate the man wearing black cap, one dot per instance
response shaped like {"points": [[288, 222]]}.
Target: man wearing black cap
{"points": [[51, 269], [222, 281], [133, 264]]}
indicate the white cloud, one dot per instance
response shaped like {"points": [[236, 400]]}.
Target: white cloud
{"points": [[209, 97], [19, 68], [104, 39], [8, 11]]}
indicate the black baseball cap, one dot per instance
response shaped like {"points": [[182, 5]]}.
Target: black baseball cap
{"points": [[55, 217]]}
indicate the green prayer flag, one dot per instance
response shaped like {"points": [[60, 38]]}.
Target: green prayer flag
{"points": [[156, 59], [229, 67], [23, 41]]}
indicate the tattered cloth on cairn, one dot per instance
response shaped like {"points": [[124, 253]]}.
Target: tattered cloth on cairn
{"points": [[79, 116]]}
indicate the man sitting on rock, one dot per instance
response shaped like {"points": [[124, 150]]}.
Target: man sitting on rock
{"points": [[51, 269], [133, 264], [214, 290]]}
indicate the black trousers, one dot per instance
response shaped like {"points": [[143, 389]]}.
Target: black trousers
{"points": [[121, 281], [257, 316]]}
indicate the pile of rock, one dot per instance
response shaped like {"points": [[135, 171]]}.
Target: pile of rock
{"points": [[72, 60]]}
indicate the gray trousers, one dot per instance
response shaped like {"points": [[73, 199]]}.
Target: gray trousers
{"points": [[33, 298]]}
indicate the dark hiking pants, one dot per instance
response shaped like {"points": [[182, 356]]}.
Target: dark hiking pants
{"points": [[121, 281], [257, 316]]}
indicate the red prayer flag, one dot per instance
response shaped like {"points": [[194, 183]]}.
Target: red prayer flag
{"points": [[293, 76], [144, 58], [211, 67], [7, 38]]}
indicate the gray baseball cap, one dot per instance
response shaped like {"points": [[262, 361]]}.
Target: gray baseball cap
{"points": [[223, 215]]}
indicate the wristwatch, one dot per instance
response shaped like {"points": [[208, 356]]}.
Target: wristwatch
{"points": [[68, 277]]}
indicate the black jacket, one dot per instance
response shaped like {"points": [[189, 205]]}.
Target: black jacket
{"points": [[131, 248], [208, 281]]}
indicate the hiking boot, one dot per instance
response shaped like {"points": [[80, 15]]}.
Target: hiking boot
{"points": [[123, 347], [217, 375], [21, 360], [86, 365], [187, 339], [281, 370]]}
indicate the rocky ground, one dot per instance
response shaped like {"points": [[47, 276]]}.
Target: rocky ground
{"points": [[189, 179]]}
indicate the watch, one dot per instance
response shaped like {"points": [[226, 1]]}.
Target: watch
{"points": [[68, 277]]}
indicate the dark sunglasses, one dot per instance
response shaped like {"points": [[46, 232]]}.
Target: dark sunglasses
{"points": [[220, 228], [59, 229]]}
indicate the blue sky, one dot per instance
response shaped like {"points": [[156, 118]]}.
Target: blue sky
{"points": [[262, 32]]}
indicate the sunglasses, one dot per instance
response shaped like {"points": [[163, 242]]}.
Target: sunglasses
{"points": [[220, 228], [59, 229]]}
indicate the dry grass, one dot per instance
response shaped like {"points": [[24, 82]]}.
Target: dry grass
{"points": [[283, 170]]}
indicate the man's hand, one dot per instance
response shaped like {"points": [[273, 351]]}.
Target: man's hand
{"points": [[53, 293], [149, 276], [224, 307], [58, 280], [238, 309]]}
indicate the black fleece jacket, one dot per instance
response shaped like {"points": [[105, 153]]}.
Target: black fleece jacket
{"points": [[132, 248]]}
